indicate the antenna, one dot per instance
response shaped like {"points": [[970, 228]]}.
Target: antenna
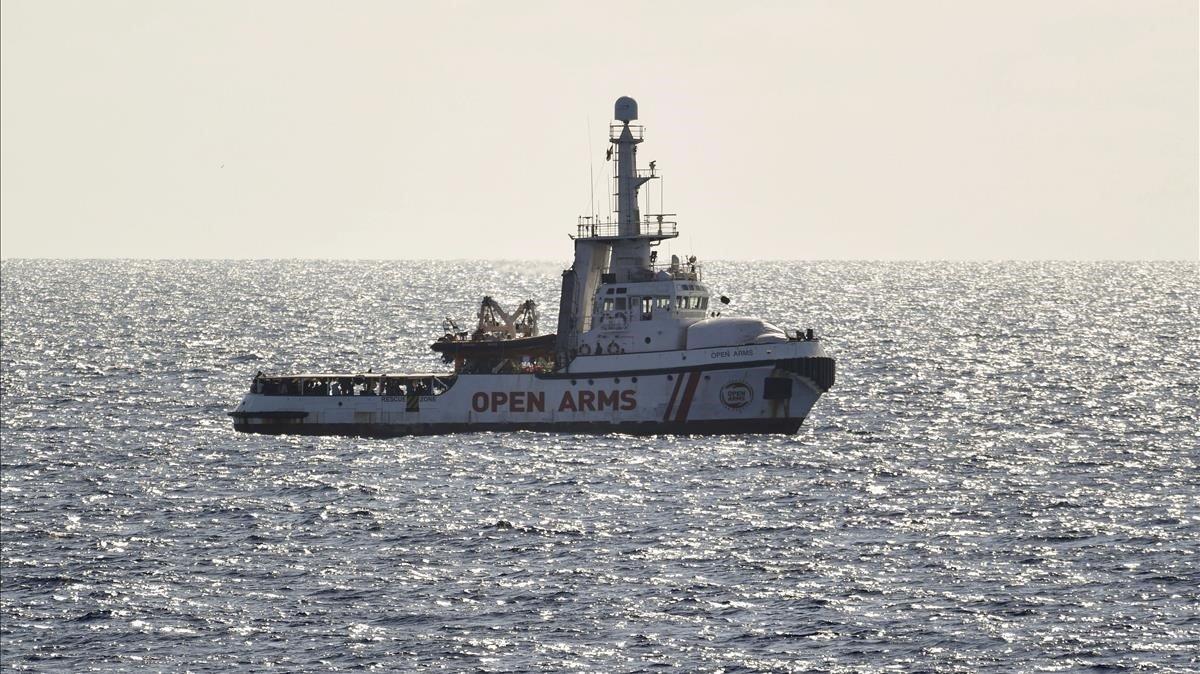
{"points": [[647, 202], [591, 173]]}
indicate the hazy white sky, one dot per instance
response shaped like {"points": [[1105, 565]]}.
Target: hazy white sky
{"points": [[797, 129]]}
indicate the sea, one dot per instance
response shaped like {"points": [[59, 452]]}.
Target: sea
{"points": [[1004, 478]]}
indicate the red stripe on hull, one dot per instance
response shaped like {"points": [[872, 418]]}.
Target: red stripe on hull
{"points": [[686, 404], [674, 395]]}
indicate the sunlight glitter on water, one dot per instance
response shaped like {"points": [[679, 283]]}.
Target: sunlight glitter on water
{"points": [[1003, 479]]}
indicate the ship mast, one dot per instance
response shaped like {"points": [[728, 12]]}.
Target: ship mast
{"points": [[611, 252], [631, 251], [628, 180]]}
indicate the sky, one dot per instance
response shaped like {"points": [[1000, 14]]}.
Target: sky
{"points": [[464, 130]]}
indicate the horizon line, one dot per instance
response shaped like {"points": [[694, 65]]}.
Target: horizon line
{"points": [[550, 260]]}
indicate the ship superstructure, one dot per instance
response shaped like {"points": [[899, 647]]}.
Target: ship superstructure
{"points": [[640, 348]]}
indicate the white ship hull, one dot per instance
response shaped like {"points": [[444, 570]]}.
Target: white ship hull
{"points": [[640, 347], [739, 389]]}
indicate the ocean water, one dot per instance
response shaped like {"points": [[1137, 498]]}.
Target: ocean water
{"points": [[1004, 479]]}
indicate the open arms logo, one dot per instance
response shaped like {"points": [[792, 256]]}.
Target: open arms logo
{"points": [[736, 394]]}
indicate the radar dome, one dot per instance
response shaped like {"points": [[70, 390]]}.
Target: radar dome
{"points": [[626, 109]]}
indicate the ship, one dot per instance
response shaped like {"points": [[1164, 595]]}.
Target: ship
{"points": [[640, 347]]}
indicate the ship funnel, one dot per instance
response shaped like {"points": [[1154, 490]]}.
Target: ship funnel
{"points": [[625, 109]]}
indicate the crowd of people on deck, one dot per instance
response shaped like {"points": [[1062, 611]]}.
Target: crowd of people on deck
{"points": [[342, 386]]}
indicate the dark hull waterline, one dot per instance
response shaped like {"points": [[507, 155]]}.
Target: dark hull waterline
{"points": [[697, 427]]}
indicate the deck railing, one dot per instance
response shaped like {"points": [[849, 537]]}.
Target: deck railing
{"points": [[651, 225], [635, 130], [684, 271]]}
